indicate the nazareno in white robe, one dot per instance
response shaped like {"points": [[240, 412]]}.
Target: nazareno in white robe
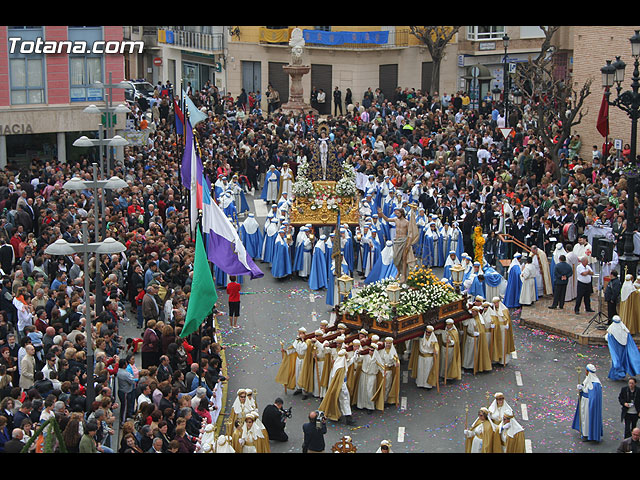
{"points": [[528, 292]]}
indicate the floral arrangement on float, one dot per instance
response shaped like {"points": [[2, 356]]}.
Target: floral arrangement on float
{"points": [[422, 292], [320, 194]]}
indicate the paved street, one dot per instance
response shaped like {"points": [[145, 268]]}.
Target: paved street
{"points": [[540, 384]]}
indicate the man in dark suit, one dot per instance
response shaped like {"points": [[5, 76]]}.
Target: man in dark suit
{"points": [[519, 232], [275, 421], [612, 295], [561, 275], [629, 399], [164, 371], [630, 444], [16, 444], [24, 218], [314, 434], [544, 238], [427, 201]]}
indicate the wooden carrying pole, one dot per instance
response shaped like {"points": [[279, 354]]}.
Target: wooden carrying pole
{"points": [[446, 357], [505, 237]]}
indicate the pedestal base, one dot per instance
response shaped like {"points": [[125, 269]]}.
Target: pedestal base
{"points": [[296, 105], [295, 108]]}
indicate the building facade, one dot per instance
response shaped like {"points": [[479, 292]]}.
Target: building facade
{"points": [[47, 78], [178, 54], [593, 46], [484, 55], [355, 57]]}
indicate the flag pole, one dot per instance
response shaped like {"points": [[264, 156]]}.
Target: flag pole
{"points": [[179, 144]]}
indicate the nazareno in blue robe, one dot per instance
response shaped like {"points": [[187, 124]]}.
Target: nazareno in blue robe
{"points": [[478, 288], [267, 179], [491, 276], [281, 263], [382, 270], [268, 241], [348, 253], [252, 241], [594, 395], [514, 286], [318, 276], [298, 256], [244, 205], [428, 251], [625, 359], [328, 252]]}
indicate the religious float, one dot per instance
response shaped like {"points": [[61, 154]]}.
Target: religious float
{"points": [[403, 311], [324, 188]]}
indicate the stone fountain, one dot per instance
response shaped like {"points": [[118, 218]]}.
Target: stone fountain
{"points": [[296, 70]]}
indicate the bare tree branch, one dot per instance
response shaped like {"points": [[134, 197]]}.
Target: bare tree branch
{"points": [[555, 106], [435, 38]]}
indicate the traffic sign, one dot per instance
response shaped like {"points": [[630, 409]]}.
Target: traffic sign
{"points": [[109, 122], [507, 132]]}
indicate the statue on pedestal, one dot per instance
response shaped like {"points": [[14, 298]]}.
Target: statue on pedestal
{"points": [[296, 43], [324, 164], [296, 70]]}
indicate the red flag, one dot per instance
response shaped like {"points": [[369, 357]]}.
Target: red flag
{"points": [[179, 117], [603, 117]]}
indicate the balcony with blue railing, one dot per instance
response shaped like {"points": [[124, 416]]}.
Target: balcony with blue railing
{"points": [[191, 40]]}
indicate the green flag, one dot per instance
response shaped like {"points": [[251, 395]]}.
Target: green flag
{"points": [[203, 291]]}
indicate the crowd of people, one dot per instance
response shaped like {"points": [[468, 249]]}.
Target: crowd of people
{"points": [[417, 142]]}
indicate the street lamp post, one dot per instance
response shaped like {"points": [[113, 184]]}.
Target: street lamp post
{"points": [[113, 183], [505, 42], [100, 142], [62, 247], [628, 102], [108, 109]]}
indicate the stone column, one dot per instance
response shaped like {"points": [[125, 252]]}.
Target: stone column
{"points": [[3, 151], [296, 103], [62, 147]]}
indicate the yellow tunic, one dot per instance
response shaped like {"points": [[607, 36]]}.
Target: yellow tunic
{"points": [[453, 367], [630, 312]]}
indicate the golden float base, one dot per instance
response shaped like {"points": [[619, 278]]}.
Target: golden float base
{"points": [[302, 212]]}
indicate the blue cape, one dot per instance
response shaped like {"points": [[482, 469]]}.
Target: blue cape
{"points": [[267, 176], [297, 258], [478, 288], [514, 286], [428, 250], [595, 413], [382, 231], [281, 264], [244, 205], [267, 251], [318, 276], [348, 254], [380, 271], [491, 277], [375, 254], [252, 243], [625, 359]]}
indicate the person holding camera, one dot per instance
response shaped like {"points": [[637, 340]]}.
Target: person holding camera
{"points": [[314, 431], [274, 418]]}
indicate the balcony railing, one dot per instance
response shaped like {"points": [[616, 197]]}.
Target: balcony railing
{"points": [[206, 42]]}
